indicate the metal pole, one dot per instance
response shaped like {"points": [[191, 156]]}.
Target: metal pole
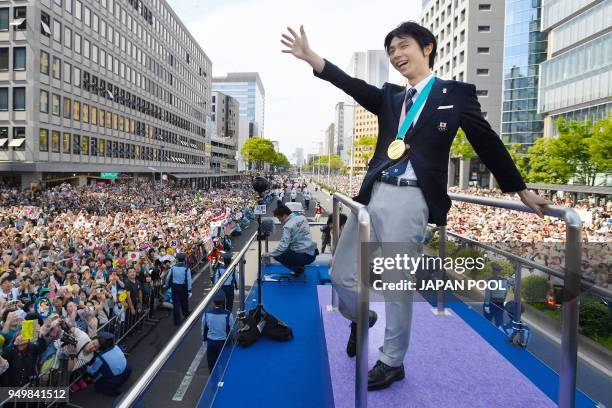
{"points": [[517, 293], [569, 330], [363, 314], [241, 293], [336, 233], [442, 272]]}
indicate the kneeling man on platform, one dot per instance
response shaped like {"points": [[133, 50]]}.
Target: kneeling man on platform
{"points": [[296, 248]]}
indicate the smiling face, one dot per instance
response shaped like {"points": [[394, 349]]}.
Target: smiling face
{"points": [[408, 58]]}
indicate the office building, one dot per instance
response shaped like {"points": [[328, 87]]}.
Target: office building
{"points": [[576, 78], [100, 86], [224, 140], [470, 35]]}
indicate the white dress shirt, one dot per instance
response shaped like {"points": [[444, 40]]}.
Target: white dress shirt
{"points": [[409, 173]]}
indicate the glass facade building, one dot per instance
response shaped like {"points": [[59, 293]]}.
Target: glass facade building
{"points": [[248, 89], [524, 49]]}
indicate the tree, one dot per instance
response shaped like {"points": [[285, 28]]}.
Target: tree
{"points": [[335, 162], [461, 147], [600, 145], [258, 150], [520, 158], [367, 145], [280, 161], [570, 150], [543, 167]]}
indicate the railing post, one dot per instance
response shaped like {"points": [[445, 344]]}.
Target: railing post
{"points": [[335, 234], [442, 273], [241, 294], [569, 330], [363, 313], [518, 303]]}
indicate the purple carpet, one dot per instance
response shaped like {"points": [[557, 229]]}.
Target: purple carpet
{"points": [[448, 365]]}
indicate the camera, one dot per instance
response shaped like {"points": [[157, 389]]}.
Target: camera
{"points": [[67, 339]]}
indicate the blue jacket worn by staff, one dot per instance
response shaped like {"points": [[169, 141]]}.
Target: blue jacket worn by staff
{"points": [[110, 367], [179, 279], [216, 326], [180, 274]]}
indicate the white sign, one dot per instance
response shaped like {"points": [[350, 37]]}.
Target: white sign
{"points": [[260, 209]]}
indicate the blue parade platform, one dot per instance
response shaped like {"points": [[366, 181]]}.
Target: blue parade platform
{"points": [[459, 360]]}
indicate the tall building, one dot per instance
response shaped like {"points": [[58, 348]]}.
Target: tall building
{"points": [[99, 86], [524, 50], [299, 156], [329, 139], [276, 146], [248, 89], [576, 78], [225, 116], [470, 39], [371, 66]]}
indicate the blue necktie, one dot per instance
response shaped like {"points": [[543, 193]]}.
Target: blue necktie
{"points": [[399, 168]]}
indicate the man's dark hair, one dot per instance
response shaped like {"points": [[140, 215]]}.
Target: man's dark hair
{"points": [[281, 210], [420, 34]]}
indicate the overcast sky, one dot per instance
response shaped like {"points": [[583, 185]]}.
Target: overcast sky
{"points": [[244, 35]]}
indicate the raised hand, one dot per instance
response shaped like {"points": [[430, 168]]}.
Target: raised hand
{"points": [[298, 44]]}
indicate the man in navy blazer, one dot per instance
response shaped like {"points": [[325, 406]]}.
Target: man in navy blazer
{"points": [[404, 194]]}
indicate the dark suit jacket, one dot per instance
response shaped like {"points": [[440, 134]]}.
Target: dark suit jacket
{"points": [[430, 148]]}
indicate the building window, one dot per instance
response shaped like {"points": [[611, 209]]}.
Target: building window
{"points": [[484, 29], [77, 9], [67, 73], [67, 37], [482, 92], [86, 46], [4, 99], [76, 111], [85, 145], [67, 107], [94, 146], [76, 79], [43, 140], [482, 71], [19, 58], [102, 116], [66, 143], [4, 19], [55, 141], [19, 15], [85, 113], [57, 31], [18, 142], [68, 6], [76, 144], [483, 50], [101, 145], [19, 99], [484, 7], [77, 43], [44, 63], [44, 101], [4, 59], [3, 138], [55, 105], [87, 17], [94, 115], [56, 68]]}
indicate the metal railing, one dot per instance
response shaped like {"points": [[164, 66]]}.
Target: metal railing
{"points": [[572, 282], [138, 390], [571, 278], [363, 295]]}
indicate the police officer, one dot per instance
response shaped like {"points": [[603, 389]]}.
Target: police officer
{"points": [[230, 283], [494, 298], [110, 368], [179, 279], [216, 325]]}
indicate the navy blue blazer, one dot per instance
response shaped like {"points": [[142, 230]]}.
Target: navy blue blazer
{"points": [[430, 148]]}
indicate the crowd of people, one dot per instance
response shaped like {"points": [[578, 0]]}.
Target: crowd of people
{"points": [[78, 263], [528, 235]]}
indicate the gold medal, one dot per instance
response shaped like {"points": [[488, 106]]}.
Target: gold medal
{"points": [[396, 149]]}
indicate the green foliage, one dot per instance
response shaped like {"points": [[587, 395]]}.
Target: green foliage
{"points": [[520, 159], [461, 147], [545, 168], [280, 161], [367, 144], [595, 318], [600, 145], [258, 150], [534, 288]]}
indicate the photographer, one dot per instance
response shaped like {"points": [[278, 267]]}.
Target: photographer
{"points": [[110, 368]]}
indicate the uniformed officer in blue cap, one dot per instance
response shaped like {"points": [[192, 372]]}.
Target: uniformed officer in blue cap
{"points": [[110, 368], [216, 325], [179, 279], [230, 283]]}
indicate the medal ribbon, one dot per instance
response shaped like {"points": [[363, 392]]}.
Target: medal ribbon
{"points": [[414, 110]]}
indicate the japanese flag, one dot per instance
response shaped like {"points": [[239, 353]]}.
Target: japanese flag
{"points": [[133, 256], [142, 233]]}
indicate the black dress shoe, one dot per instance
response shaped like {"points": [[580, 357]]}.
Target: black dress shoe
{"points": [[382, 376], [351, 346]]}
